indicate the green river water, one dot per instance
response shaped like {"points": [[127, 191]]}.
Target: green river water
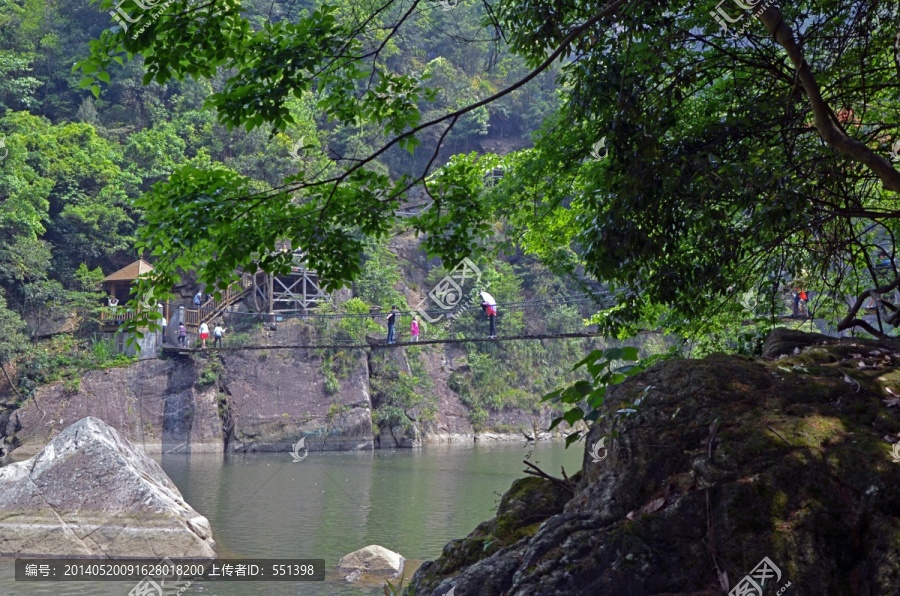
{"points": [[330, 504]]}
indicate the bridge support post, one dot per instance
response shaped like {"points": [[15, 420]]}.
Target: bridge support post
{"points": [[270, 298]]}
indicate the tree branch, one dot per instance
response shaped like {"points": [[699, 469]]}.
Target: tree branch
{"points": [[851, 321], [826, 123], [577, 31], [541, 474]]}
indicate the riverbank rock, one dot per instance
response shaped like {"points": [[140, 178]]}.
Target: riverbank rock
{"points": [[373, 559], [731, 464], [90, 492]]}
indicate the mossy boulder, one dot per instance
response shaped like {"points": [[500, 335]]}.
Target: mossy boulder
{"points": [[728, 461], [528, 503]]}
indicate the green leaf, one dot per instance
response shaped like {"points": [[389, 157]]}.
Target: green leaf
{"points": [[590, 358], [553, 395], [593, 416], [615, 353], [630, 353], [630, 369], [572, 438], [573, 416], [576, 392], [96, 91], [596, 370], [595, 399]]}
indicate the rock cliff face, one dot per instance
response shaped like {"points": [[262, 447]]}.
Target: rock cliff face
{"points": [[89, 492], [278, 397], [254, 400], [156, 404], [730, 463]]}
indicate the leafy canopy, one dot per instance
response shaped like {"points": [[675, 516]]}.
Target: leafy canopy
{"points": [[734, 162]]}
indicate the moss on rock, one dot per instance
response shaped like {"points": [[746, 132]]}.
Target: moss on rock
{"points": [[729, 460]]}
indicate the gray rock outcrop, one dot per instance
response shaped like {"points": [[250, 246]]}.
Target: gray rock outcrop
{"points": [[90, 492], [276, 397], [155, 404], [373, 559], [730, 463]]}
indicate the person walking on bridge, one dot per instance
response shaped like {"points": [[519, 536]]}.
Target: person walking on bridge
{"points": [[414, 329], [182, 335], [198, 298], [391, 321], [489, 306], [218, 332]]}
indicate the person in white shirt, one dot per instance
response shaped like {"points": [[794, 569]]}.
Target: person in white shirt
{"points": [[204, 334], [218, 332]]}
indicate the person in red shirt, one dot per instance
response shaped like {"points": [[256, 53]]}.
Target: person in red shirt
{"points": [[491, 311]]}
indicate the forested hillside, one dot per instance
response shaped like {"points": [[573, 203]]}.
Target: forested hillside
{"points": [[78, 165], [656, 195]]}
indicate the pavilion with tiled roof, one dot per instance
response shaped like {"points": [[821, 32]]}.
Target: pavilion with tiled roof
{"points": [[119, 284]]}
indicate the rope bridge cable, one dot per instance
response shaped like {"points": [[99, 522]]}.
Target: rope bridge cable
{"points": [[350, 346], [519, 305]]}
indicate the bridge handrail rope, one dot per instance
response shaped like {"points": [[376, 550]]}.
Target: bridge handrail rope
{"points": [[360, 330], [502, 306]]}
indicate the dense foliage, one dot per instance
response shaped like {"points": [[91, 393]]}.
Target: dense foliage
{"points": [[735, 159], [640, 144]]}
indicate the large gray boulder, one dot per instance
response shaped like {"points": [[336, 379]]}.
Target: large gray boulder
{"points": [[730, 466], [90, 492], [373, 559]]}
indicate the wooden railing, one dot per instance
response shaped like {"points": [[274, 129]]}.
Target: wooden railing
{"points": [[116, 316], [111, 317], [212, 307]]}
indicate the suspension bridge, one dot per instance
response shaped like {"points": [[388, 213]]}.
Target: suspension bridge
{"points": [[523, 320]]}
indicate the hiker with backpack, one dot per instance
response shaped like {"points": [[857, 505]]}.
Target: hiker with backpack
{"points": [[800, 300], [218, 333], [804, 299], [182, 335]]}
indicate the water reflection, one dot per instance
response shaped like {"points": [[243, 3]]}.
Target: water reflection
{"points": [[265, 506]]}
